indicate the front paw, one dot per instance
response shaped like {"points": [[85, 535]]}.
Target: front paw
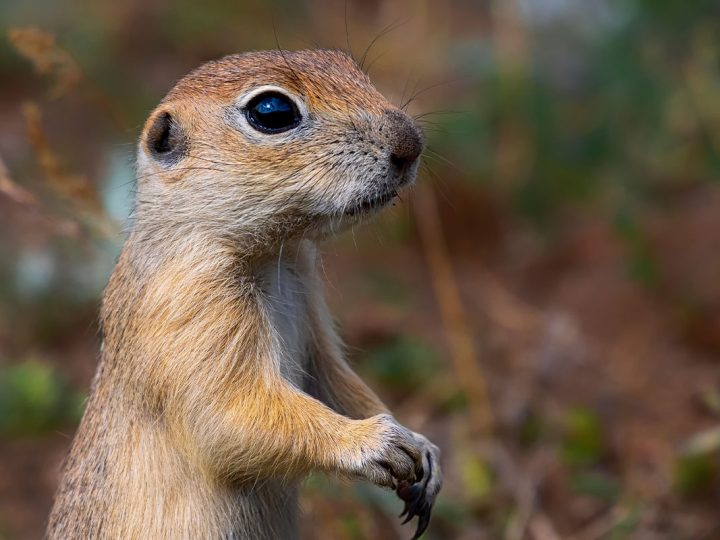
{"points": [[419, 497], [394, 457]]}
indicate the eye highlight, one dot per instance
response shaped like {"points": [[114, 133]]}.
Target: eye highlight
{"points": [[272, 112]]}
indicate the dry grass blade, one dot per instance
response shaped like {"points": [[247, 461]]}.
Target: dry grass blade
{"points": [[40, 48], [20, 195], [10, 189], [74, 189], [47, 57], [464, 353], [69, 186]]}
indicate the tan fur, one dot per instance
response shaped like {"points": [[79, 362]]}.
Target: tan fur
{"points": [[222, 381]]}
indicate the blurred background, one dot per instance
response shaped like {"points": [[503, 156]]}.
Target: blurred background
{"points": [[545, 306]]}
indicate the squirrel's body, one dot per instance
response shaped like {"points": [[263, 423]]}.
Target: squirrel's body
{"points": [[221, 381], [133, 465]]}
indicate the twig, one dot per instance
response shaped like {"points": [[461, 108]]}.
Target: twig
{"points": [[74, 189], [40, 48], [9, 188], [464, 354]]}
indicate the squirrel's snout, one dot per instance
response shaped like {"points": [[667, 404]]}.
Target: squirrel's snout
{"points": [[406, 139]]}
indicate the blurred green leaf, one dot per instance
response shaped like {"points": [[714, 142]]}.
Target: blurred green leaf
{"points": [[531, 430], [596, 484], [583, 438], [641, 263], [35, 400], [454, 400], [403, 363], [695, 474], [477, 477]]}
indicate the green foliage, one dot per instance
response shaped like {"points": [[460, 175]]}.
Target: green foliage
{"points": [[589, 114], [35, 400], [596, 484], [695, 474], [640, 262], [531, 430], [403, 364], [478, 478], [583, 443], [453, 400]]}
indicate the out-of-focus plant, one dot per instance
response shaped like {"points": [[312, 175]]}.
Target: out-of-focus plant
{"points": [[403, 364], [612, 103], [697, 468], [596, 484], [695, 474], [583, 438], [34, 400]]}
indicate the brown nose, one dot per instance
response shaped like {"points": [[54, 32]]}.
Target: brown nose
{"points": [[406, 140]]}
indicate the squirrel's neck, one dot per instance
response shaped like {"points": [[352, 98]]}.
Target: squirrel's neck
{"points": [[246, 236], [198, 295], [204, 255]]}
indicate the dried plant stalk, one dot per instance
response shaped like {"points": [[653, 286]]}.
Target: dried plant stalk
{"points": [[72, 187], [47, 57], [10, 189], [464, 353]]}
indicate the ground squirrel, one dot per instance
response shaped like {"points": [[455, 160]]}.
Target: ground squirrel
{"points": [[222, 381]]}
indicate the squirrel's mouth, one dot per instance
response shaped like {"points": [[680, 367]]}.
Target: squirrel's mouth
{"points": [[369, 204]]}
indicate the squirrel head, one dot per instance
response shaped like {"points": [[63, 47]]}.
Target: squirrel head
{"points": [[274, 144]]}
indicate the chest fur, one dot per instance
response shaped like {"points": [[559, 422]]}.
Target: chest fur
{"points": [[287, 309]]}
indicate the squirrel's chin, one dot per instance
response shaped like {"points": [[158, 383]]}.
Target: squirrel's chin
{"points": [[336, 220], [370, 205], [339, 222]]}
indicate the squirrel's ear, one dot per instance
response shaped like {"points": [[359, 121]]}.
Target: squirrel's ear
{"points": [[165, 139]]}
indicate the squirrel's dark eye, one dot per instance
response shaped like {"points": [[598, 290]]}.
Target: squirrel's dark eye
{"points": [[272, 112]]}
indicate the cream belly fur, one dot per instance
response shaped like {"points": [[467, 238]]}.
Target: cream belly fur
{"points": [[286, 297]]}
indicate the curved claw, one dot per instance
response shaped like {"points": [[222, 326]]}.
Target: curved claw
{"points": [[412, 493], [409, 495], [414, 507], [416, 502], [423, 521]]}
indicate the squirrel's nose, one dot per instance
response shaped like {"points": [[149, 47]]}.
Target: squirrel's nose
{"points": [[406, 140]]}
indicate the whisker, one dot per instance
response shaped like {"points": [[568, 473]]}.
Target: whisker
{"points": [[427, 89], [432, 154], [389, 28]]}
